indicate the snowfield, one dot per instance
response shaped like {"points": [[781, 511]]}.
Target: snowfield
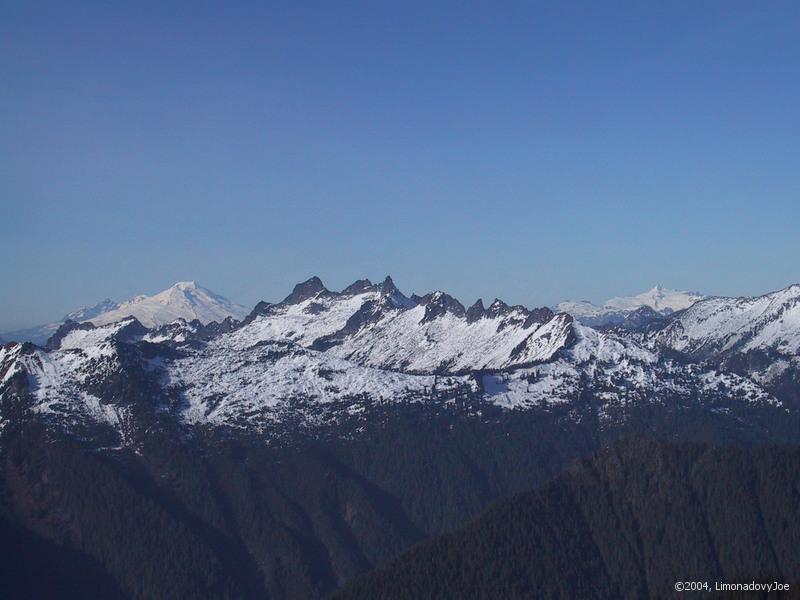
{"points": [[374, 345], [184, 300], [768, 322], [660, 299]]}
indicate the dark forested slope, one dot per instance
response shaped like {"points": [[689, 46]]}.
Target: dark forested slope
{"points": [[221, 517], [627, 523]]}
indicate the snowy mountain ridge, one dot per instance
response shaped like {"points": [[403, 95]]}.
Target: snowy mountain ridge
{"points": [[321, 355], [770, 322], [614, 311]]}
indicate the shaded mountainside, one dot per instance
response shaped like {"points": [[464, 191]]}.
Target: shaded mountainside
{"points": [[219, 517], [627, 523]]}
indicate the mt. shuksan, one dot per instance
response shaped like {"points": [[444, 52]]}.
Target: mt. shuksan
{"points": [[659, 300]]}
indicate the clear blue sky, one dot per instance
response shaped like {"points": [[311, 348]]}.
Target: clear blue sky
{"points": [[529, 151]]}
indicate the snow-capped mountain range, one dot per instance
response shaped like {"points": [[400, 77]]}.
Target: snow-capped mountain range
{"points": [[660, 300], [321, 355], [184, 300], [742, 325]]}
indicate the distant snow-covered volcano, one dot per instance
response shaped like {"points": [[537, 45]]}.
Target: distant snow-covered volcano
{"points": [[660, 299], [184, 300]]}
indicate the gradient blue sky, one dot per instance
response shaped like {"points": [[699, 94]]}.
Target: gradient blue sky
{"points": [[529, 151]]}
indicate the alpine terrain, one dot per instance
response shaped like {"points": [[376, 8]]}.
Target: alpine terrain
{"points": [[659, 301], [173, 446], [184, 300]]}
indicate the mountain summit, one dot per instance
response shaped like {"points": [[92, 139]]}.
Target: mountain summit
{"points": [[184, 300], [661, 300]]}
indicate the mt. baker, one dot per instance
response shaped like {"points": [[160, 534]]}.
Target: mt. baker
{"points": [[184, 300]]}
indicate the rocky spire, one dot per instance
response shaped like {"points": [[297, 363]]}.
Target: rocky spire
{"points": [[476, 311], [358, 287], [305, 290]]}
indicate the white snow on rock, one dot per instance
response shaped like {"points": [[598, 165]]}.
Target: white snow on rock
{"points": [[398, 335], [659, 298], [220, 384], [304, 322], [662, 300], [58, 379], [184, 300], [771, 321], [375, 345], [402, 341]]}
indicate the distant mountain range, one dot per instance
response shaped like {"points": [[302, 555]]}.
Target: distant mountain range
{"points": [[659, 300], [188, 301], [184, 300], [282, 452]]}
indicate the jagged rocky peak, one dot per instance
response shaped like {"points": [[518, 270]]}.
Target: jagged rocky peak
{"points": [[228, 323], [394, 296], [387, 286], [363, 286], [540, 315], [260, 309], [438, 304], [476, 311], [86, 313], [359, 286], [305, 290], [497, 308]]}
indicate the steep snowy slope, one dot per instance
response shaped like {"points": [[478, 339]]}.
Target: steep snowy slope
{"points": [[378, 326], [67, 384], [255, 385], [184, 300], [319, 354], [720, 325]]}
